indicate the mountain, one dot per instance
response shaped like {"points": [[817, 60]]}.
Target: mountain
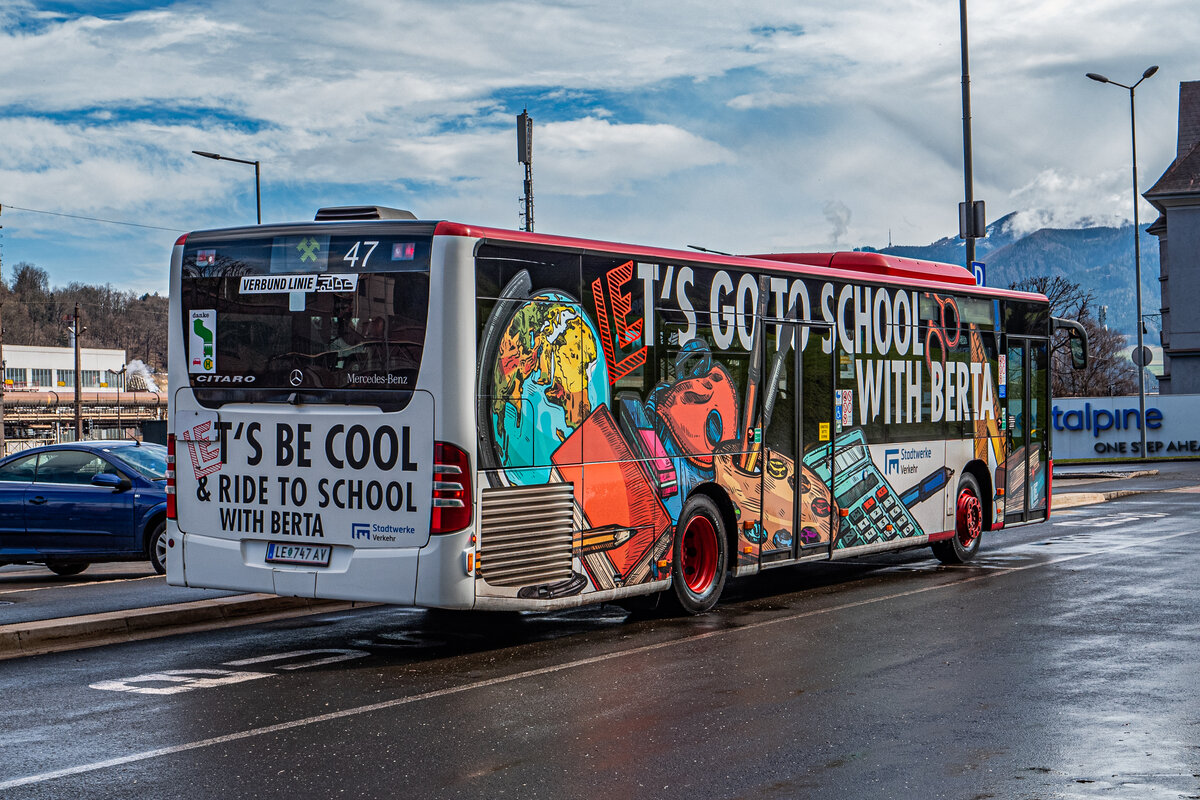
{"points": [[1099, 258]]}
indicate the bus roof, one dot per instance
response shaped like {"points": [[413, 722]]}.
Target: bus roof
{"points": [[866, 266], [878, 264]]}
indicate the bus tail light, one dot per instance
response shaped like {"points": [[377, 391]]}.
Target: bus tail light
{"points": [[452, 495], [171, 476]]}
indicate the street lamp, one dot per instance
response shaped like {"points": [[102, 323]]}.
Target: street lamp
{"points": [[119, 375], [1137, 249], [257, 196]]}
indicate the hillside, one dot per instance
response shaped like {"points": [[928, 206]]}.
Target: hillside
{"points": [[37, 314], [1098, 258]]}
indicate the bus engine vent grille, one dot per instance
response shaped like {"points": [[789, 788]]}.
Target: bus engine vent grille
{"points": [[525, 534]]}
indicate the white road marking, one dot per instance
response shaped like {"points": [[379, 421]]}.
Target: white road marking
{"points": [[186, 680], [180, 680], [1107, 520], [332, 656], [535, 673]]}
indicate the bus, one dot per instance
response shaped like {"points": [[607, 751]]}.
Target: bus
{"points": [[378, 408]]}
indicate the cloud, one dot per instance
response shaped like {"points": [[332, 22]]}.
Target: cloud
{"points": [[690, 120], [1057, 200], [595, 156], [768, 99]]}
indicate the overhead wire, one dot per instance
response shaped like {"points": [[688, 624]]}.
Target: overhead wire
{"points": [[91, 219]]}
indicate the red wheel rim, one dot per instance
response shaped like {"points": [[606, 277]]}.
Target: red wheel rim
{"points": [[970, 517], [698, 554]]}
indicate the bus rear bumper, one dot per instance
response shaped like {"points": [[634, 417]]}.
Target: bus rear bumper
{"points": [[378, 575]]}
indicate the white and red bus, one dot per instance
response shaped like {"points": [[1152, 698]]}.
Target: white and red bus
{"points": [[372, 407]]}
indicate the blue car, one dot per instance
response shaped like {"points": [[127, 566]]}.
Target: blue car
{"points": [[67, 505]]}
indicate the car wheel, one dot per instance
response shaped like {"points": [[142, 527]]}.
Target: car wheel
{"points": [[67, 567], [968, 525], [700, 555], [157, 547]]}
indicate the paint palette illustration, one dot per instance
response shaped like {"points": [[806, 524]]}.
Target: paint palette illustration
{"points": [[873, 509]]}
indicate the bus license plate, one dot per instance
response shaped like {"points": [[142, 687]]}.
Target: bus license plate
{"points": [[298, 554]]}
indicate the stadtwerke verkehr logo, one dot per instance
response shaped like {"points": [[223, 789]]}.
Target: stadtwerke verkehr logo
{"points": [[360, 530], [891, 461]]}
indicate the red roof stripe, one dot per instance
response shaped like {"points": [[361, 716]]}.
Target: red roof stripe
{"points": [[867, 267]]}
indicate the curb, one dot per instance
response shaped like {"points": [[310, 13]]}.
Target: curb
{"points": [[1072, 499], [1111, 475], [70, 633]]}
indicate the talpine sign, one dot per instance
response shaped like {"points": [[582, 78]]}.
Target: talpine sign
{"points": [[1110, 427]]}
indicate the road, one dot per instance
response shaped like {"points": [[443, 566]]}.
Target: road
{"points": [[1061, 664], [32, 592]]}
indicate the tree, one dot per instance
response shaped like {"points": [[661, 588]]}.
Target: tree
{"points": [[1108, 371], [36, 314]]}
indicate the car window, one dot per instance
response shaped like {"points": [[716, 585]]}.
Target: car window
{"points": [[148, 459], [70, 466], [20, 469]]}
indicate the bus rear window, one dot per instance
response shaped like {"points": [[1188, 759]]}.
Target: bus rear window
{"points": [[304, 311]]}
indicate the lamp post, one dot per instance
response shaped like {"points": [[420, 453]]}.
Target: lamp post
{"points": [[257, 195], [1137, 250], [119, 375], [968, 161]]}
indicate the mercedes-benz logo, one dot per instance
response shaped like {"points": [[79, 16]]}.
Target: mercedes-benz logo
{"points": [[297, 377]]}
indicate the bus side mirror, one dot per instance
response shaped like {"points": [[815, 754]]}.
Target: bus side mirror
{"points": [[1076, 340]]}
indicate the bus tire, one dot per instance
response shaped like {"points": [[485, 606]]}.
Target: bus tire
{"points": [[968, 524], [700, 556]]}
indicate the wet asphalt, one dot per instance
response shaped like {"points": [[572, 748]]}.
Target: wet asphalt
{"points": [[1061, 664], [31, 592]]}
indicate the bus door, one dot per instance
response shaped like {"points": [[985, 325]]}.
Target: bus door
{"points": [[1027, 400], [819, 420], [798, 416]]}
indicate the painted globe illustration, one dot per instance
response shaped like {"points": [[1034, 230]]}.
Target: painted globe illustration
{"points": [[548, 377]]}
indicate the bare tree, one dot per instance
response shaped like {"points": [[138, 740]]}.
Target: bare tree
{"points": [[35, 314], [1108, 371]]}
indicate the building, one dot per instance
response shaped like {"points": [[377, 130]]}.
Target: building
{"points": [[51, 369], [1176, 195]]}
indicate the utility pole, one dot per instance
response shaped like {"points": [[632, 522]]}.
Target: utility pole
{"points": [[78, 391], [3, 443], [971, 222], [525, 156], [3, 369]]}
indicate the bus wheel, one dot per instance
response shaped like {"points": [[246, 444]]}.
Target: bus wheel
{"points": [[968, 525], [700, 556]]}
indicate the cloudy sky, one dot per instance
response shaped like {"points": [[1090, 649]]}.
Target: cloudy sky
{"points": [[740, 126]]}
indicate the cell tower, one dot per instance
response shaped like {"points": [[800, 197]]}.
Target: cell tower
{"points": [[525, 156]]}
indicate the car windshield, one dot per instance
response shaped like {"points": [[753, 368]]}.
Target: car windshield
{"points": [[150, 460]]}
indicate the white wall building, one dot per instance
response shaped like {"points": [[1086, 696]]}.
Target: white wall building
{"points": [[50, 369]]}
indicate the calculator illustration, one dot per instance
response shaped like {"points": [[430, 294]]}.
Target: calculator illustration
{"points": [[874, 509]]}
